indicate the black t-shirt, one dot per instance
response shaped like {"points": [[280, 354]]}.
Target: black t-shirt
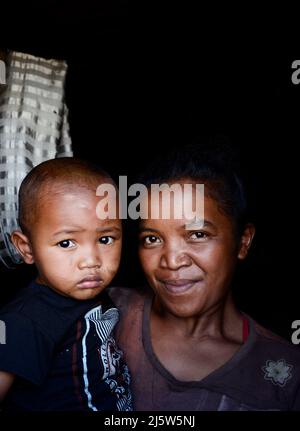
{"points": [[63, 353]]}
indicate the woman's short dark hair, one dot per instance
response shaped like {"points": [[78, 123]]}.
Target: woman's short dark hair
{"points": [[213, 163]]}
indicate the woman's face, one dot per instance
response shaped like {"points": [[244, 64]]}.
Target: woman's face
{"points": [[190, 270]]}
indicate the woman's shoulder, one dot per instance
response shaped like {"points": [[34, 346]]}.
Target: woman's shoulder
{"points": [[127, 296], [275, 345]]}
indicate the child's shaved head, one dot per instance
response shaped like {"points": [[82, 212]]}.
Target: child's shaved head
{"points": [[53, 177]]}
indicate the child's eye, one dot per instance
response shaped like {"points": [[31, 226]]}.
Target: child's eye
{"points": [[106, 240], [198, 236], [66, 243]]}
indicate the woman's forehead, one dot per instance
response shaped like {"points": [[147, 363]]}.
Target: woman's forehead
{"points": [[206, 214], [185, 205]]}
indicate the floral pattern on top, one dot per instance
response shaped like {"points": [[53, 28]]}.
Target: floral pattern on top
{"points": [[277, 372]]}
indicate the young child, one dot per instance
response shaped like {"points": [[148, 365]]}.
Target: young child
{"points": [[60, 353]]}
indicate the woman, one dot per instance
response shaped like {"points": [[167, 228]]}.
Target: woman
{"points": [[187, 345]]}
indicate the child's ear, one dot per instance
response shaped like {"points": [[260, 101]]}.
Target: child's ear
{"points": [[22, 244], [246, 241]]}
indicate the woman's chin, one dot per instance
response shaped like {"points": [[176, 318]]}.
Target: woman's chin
{"points": [[182, 307]]}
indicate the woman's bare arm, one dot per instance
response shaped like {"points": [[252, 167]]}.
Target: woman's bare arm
{"points": [[6, 380]]}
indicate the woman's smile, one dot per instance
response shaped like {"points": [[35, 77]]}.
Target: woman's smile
{"points": [[178, 286]]}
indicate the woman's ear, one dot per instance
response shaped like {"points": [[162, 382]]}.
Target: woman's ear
{"points": [[22, 244], [246, 240]]}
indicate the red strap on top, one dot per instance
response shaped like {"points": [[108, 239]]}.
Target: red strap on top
{"points": [[245, 328]]}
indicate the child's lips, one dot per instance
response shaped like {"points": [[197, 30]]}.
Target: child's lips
{"points": [[90, 282]]}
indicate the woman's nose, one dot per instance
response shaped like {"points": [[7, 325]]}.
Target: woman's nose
{"points": [[173, 258]]}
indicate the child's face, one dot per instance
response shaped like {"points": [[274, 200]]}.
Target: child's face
{"points": [[75, 252], [190, 270]]}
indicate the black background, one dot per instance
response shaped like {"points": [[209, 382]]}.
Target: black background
{"points": [[140, 83]]}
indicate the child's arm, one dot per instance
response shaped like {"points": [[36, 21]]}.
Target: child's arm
{"points": [[6, 380]]}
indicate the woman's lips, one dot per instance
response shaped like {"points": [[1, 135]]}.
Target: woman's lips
{"points": [[178, 286], [90, 282]]}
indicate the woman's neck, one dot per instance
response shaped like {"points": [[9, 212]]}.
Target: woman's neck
{"points": [[222, 320]]}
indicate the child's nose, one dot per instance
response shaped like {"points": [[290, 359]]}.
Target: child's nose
{"points": [[90, 258]]}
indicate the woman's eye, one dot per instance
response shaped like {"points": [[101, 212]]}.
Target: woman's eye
{"points": [[199, 235], [106, 240], [66, 243], [151, 239]]}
